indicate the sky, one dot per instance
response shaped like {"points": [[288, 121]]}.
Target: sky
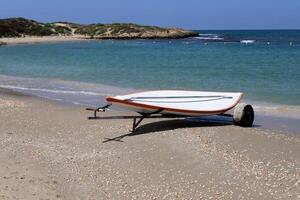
{"points": [[189, 14]]}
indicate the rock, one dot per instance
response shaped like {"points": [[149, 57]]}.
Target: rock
{"points": [[2, 43]]}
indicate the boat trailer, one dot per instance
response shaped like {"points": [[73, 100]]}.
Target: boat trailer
{"points": [[137, 119]]}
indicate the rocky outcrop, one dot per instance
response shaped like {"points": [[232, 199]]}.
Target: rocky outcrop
{"points": [[132, 31], [20, 27], [2, 43]]}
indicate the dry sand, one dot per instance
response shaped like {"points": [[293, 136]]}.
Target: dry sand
{"points": [[51, 151], [44, 39]]}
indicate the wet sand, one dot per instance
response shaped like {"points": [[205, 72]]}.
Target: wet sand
{"points": [[51, 151]]}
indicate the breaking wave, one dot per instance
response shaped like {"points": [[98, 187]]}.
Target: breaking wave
{"points": [[247, 41], [209, 36]]}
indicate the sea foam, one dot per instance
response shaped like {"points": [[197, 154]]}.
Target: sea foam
{"points": [[209, 36], [247, 41], [52, 90]]}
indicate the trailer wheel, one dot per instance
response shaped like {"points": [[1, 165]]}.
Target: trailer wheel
{"points": [[243, 115]]}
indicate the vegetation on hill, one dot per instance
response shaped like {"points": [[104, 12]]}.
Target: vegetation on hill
{"points": [[17, 27], [20, 27]]}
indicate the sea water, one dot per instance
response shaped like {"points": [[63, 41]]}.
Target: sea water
{"points": [[265, 65]]}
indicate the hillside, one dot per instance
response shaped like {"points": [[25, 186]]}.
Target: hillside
{"points": [[21, 27]]}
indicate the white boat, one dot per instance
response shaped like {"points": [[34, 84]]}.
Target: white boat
{"points": [[179, 102]]}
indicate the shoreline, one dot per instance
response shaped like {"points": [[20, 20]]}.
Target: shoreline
{"points": [[34, 86], [42, 39], [281, 120], [51, 150], [54, 39], [27, 84]]}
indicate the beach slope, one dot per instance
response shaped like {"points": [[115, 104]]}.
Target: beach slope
{"points": [[51, 151]]}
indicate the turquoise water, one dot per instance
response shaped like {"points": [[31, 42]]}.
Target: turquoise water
{"points": [[267, 69]]}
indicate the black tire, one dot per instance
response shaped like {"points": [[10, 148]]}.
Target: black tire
{"points": [[243, 115]]}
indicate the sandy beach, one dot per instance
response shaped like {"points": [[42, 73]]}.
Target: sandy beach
{"points": [[37, 39], [51, 151]]}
